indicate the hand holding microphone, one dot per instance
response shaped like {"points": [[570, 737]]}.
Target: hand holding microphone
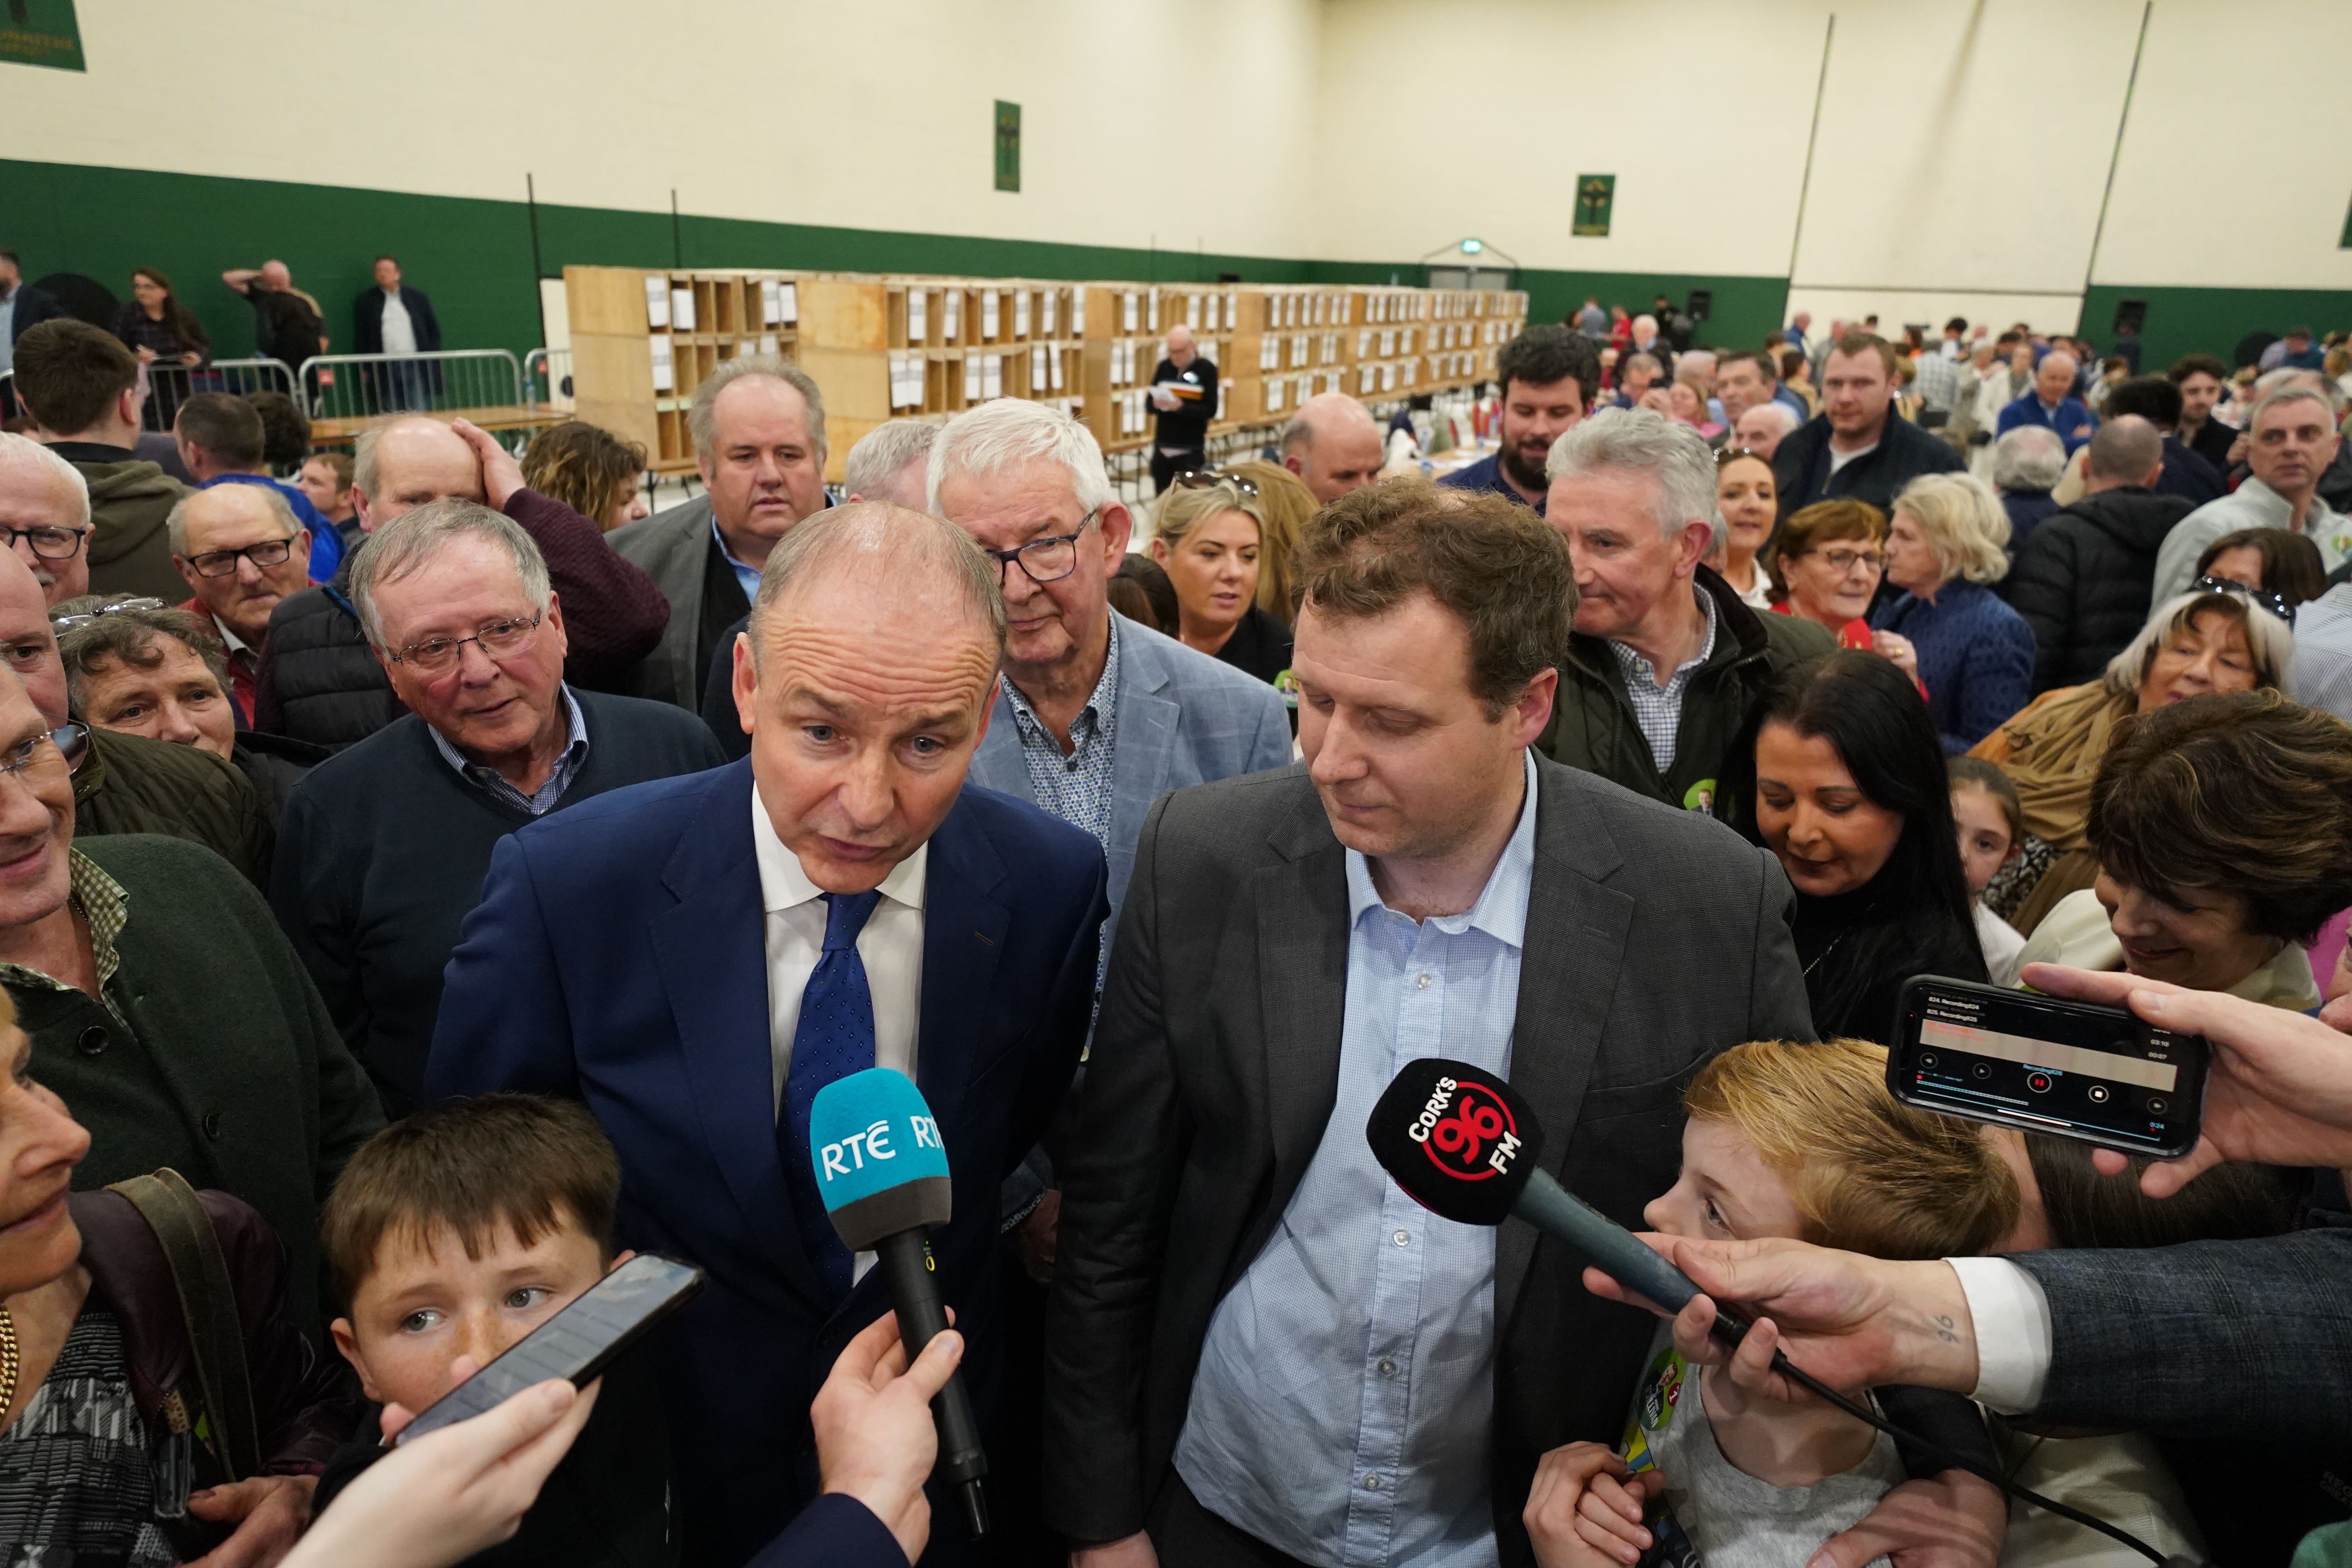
{"points": [[882, 1172]]}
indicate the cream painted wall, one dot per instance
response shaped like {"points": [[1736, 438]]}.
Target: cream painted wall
{"points": [[863, 115]]}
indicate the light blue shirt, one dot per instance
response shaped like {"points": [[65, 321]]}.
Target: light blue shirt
{"points": [[749, 576], [1342, 1409]]}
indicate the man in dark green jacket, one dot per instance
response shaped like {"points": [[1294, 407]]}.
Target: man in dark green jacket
{"points": [[1634, 493], [166, 1009]]}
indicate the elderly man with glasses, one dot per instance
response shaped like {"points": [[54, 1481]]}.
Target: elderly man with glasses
{"points": [[1096, 717], [386, 844], [242, 552]]}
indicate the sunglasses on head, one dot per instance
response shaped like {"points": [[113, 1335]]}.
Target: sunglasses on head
{"points": [[1732, 454], [1205, 478], [2275, 603]]}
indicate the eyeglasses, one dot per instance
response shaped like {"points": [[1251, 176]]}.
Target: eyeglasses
{"points": [[80, 619], [2275, 603], [65, 745], [1044, 560], [1843, 561], [1206, 479], [439, 655], [223, 563], [48, 542]]}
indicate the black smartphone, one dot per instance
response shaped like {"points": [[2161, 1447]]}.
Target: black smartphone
{"points": [[2040, 1064], [578, 1343]]}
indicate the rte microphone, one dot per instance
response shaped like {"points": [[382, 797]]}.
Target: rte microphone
{"points": [[883, 1173], [1464, 1146]]}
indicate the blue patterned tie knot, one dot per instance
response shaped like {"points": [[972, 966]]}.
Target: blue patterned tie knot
{"points": [[846, 915], [833, 1039]]}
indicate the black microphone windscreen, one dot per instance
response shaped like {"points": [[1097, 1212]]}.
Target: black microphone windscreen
{"points": [[1458, 1140]]}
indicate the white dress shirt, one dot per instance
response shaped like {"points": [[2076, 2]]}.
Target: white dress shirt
{"points": [[399, 332], [891, 947], [2012, 1318]]}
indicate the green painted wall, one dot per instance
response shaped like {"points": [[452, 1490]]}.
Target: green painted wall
{"points": [[2211, 320]]}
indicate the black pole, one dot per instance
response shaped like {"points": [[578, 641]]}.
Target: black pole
{"points": [[677, 239], [538, 263]]}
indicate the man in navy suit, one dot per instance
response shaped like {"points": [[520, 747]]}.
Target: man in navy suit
{"points": [[694, 958]]}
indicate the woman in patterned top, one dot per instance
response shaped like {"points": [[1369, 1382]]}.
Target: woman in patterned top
{"points": [[99, 1463]]}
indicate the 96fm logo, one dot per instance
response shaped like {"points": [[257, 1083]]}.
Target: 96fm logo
{"points": [[1466, 1132]]}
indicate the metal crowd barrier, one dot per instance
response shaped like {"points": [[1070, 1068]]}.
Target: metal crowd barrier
{"points": [[168, 385], [346, 393], [547, 378]]}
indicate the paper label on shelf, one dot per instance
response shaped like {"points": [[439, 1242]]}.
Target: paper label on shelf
{"points": [[989, 316], [1049, 306], [788, 303], [1038, 357], [664, 367], [1078, 312], [991, 376], [1053, 362], [971, 378], [951, 315], [1155, 312], [1388, 377], [1021, 312], [917, 315], [771, 304], [1273, 396], [768, 343], [1130, 311], [681, 310], [1269, 353], [656, 303]]}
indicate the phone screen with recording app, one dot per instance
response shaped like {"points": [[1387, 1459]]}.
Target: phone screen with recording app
{"points": [[2040, 1064], [577, 1343]]}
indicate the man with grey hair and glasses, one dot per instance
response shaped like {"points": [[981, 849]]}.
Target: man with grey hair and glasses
{"points": [[759, 442], [697, 959], [384, 846], [1665, 665], [2290, 440]]}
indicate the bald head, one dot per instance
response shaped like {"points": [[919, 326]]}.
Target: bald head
{"points": [[889, 554], [2127, 450], [1180, 346], [1333, 445], [2053, 379], [277, 275], [402, 465]]}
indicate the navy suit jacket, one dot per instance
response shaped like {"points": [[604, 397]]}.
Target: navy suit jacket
{"points": [[836, 1532], [619, 956]]}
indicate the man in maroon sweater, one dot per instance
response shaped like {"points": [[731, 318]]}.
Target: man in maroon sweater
{"points": [[319, 681]]}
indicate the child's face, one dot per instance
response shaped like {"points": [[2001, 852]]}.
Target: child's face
{"points": [[1983, 827], [1726, 1192], [427, 1303]]}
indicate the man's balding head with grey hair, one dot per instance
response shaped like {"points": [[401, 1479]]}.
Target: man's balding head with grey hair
{"points": [[1009, 433], [1332, 444], [2028, 460], [701, 415], [281, 512], [2126, 450], [876, 466], [896, 548], [1642, 441], [27, 468], [404, 545]]}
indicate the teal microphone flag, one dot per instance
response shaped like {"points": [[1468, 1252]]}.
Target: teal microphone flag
{"points": [[881, 1165]]}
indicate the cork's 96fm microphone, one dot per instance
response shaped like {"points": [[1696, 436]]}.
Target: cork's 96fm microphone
{"points": [[883, 1173], [1464, 1146]]}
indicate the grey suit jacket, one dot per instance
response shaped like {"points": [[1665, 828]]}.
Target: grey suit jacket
{"points": [[1184, 718], [2227, 1339], [1655, 939], [672, 548]]}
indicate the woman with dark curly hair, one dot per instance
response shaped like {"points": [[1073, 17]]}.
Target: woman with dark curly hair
{"points": [[2223, 831], [589, 470], [1850, 792]]}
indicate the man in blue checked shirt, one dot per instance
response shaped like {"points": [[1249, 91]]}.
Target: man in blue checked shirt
{"points": [[1259, 1351]]}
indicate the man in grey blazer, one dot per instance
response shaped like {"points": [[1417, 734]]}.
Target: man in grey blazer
{"points": [[1259, 1352], [759, 439], [1095, 716]]}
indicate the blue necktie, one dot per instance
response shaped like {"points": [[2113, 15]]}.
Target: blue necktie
{"points": [[833, 1038]]}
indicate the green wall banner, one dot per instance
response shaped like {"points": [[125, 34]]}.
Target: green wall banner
{"points": [[1595, 193], [1008, 146], [42, 33]]}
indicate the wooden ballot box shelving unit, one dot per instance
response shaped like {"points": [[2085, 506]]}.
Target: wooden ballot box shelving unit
{"points": [[886, 347]]}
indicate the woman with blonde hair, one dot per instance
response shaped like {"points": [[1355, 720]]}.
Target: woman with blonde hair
{"points": [[1970, 653], [2216, 638], [1284, 507], [1208, 538]]}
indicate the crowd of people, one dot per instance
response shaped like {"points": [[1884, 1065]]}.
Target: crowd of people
{"points": [[428, 875]]}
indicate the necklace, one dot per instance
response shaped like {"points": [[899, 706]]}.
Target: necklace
{"points": [[8, 1360]]}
